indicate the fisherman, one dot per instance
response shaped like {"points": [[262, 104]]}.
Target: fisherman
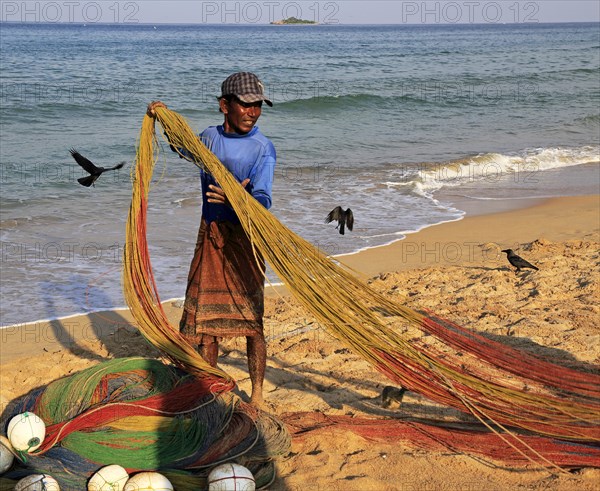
{"points": [[225, 290]]}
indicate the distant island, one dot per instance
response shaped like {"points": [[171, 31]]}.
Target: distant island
{"points": [[292, 20]]}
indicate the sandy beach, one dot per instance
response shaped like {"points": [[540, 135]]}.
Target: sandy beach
{"points": [[455, 269]]}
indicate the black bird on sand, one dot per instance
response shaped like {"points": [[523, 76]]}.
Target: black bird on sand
{"points": [[344, 218], [517, 261], [94, 171], [391, 394]]}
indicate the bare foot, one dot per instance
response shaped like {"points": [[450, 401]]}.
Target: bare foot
{"points": [[257, 401]]}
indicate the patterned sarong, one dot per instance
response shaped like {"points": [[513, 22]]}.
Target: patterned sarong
{"points": [[225, 290]]}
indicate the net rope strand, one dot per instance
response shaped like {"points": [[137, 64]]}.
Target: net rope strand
{"points": [[139, 287], [349, 309]]}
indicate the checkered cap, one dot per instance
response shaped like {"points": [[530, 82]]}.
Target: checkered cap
{"points": [[245, 86]]}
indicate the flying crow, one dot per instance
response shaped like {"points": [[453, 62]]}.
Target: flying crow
{"points": [[95, 172], [344, 218], [517, 261]]}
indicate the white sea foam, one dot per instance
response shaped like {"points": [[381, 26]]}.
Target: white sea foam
{"points": [[492, 167]]}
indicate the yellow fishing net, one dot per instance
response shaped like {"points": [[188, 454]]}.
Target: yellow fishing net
{"points": [[348, 308]]}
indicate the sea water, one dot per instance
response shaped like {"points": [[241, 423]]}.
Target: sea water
{"points": [[403, 124]]}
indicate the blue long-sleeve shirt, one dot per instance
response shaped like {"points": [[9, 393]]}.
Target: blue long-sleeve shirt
{"points": [[246, 156]]}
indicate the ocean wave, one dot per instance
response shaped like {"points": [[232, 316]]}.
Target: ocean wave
{"points": [[427, 178], [592, 71], [590, 120], [369, 101], [335, 101], [507, 198], [15, 222], [193, 201]]}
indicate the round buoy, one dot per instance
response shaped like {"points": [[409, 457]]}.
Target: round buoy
{"points": [[148, 481], [37, 482], [6, 457], [26, 432], [109, 478], [231, 477]]}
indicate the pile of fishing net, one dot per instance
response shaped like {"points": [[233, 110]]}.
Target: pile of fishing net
{"points": [[145, 415]]}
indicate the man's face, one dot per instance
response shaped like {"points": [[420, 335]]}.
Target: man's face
{"points": [[240, 117]]}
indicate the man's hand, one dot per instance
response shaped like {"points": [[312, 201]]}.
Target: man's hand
{"points": [[151, 110], [218, 195]]}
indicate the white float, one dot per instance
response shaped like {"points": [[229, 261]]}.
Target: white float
{"points": [[37, 482], [6, 455], [231, 477], [109, 478], [26, 432], [148, 481]]}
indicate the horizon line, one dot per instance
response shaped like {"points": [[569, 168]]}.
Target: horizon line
{"points": [[83, 23]]}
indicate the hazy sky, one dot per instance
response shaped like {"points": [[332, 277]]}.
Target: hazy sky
{"points": [[323, 11]]}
